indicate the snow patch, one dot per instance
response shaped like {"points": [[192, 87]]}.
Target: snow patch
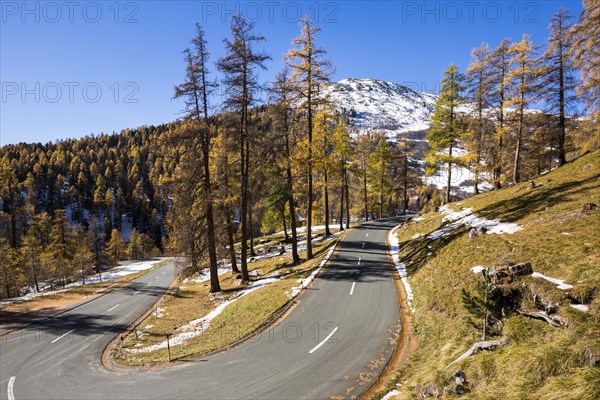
{"points": [[466, 217], [559, 282], [580, 307], [196, 327], [477, 269], [305, 281], [394, 251], [390, 394]]}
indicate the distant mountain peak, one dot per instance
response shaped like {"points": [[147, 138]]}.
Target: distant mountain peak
{"points": [[379, 105]]}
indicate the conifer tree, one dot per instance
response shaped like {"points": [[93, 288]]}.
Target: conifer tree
{"points": [[478, 86], [586, 53], [281, 92], [195, 90], [522, 81], [499, 67], [116, 246], [446, 126], [342, 155], [380, 162], [310, 69], [239, 66], [558, 75]]}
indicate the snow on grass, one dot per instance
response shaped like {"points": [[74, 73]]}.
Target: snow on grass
{"points": [[477, 269], [394, 250], [124, 268], [204, 275], [467, 218], [560, 284], [305, 281], [198, 326], [580, 307], [390, 394]]}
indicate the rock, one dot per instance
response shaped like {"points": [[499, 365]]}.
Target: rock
{"points": [[282, 250], [508, 274], [586, 207], [544, 304], [459, 389], [477, 232], [459, 377], [430, 391]]}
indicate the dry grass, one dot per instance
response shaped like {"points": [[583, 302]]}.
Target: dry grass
{"points": [[240, 319], [540, 362]]}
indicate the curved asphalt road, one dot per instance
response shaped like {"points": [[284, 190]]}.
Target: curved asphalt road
{"points": [[333, 343]]}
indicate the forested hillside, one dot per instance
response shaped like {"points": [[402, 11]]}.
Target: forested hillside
{"points": [[206, 185]]}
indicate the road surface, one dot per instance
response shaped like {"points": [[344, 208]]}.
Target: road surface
{"points": [[335, 341]]}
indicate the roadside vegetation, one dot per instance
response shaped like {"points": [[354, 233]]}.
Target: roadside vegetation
{"points": [[559, 238], [191, 300]]}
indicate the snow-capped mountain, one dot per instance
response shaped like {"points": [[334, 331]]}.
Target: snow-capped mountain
{"points": [[385, 106], [397, 110]]}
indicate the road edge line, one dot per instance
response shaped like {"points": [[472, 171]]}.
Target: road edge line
{"points": [[407, 343]]}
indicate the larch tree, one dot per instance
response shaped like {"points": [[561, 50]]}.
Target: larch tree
{"points": [[195, 90], [364, 147], [523, 88], [323, 132], [446, 126], [342, 155], [586, 56], [558, 75], [380, 163], [499, 67], [239, 66], [281, 96], [310, 69], [478, 86]]}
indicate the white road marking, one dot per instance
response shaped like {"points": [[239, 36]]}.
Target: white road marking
{"points": [[367, 234], [359, 260], [324, 340], [149, 283], [9, 391], [112, 308], [136, 292], [363, 246], [352, 290], [62, 336]]}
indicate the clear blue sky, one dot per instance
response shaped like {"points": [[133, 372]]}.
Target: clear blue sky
{"points": [[73, 68]]}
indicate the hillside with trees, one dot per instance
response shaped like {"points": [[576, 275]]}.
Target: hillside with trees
{"points": [[209, 184]]}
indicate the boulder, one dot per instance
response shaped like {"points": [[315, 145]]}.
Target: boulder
{"points": [[507, 274], [430, 391], [477, 232]]}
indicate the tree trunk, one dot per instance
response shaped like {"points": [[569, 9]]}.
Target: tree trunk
{"points": [[448, 196], [309, 252], [327, 231], [290, 188], [342, 202], [285, 233], [366, 197], [561, 118], [347, 193], [232, 257]]}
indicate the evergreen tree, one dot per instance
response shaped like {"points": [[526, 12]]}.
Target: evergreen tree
{"points": [[380, 162], [446, 126]]}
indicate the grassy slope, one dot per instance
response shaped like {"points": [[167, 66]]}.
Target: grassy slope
{"points": [[540, 362], [236, 322]]}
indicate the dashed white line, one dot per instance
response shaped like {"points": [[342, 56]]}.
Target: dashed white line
{"points": [[112, 308], [359, 260], [363, 246], [136, 292], [62, 336], [367, 234], [352, 290], [324, 340], [149, 283], [9, 390]]}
